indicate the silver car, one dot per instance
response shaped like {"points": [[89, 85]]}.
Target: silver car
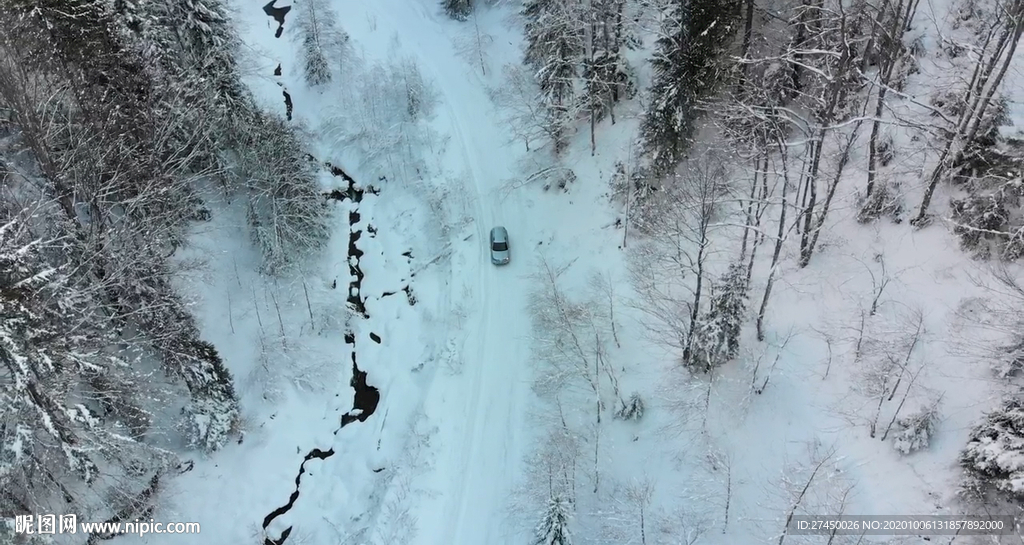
{"points": [[499, 246]]}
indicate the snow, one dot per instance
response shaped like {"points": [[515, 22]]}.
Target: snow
{"points": [[442, 460]]}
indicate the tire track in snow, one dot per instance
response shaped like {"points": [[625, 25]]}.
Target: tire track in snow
{"points": [[453, 511], [480, 334], [480, 470]]}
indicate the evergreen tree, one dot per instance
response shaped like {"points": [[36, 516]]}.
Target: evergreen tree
{"points": [[554, 35], [606, 72], [687, 69], [716, 339], [606, 79], [122, 154], [69, 404], [554, 527], [287, 215], [996, 446], [320, 37], [207, 38], [728, 305], [458, 9]]}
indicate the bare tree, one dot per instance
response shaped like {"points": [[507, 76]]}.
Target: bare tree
{"points": [[998, 46], [473, 44], [639, 494], [604, 286], [780, 238], [779, 350], [669, 270], [990, 328], [287, 214], [518, 102], [886, 44], [553, 468], [829, 94], [806, 87], [758, 121], [722, 462], [379, 113], [570, 339], [812, 485], [888, 353], [566, 335]]}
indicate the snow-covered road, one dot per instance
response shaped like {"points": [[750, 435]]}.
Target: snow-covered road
{"points": [[481, 414]]}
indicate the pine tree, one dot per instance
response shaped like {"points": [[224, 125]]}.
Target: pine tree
{"points": [[554, 36], [716, 339], [129, 144], [687, 69], [69, 407], [554, 527], [915, 432], [458, 9], [606, 73], [206, 35], [287, 215], [995, 448], [729, 305], [321, 39]]}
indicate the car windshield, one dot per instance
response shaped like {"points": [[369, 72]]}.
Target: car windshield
{"points": [[500, 246]]}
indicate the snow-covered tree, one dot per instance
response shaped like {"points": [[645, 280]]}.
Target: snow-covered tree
{"points": [[458, 9], [518, 96], [203, 31], [287, 215], [633, 409], [996, 45], [716, 339], [122, 149], [995, 451], [670, 270], [687, 70], [553, 528], [915, 432], [321, 39], [606, 77], [606, 80], [828, 90], [61, 420], [555, 45], [569, 336]]}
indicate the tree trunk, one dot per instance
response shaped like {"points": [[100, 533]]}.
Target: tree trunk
{"points": [[805, 258], [976, 113], [979, 113], [695, 311], [749, 213], [591, 46], [748, 33], [874, 36], [983, 79], [758, 212], [908, 17], [873, 144], [811, 195], [888, 62], [778, 245]]}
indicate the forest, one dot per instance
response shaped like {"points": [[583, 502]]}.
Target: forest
{"points": [[750, 126], [115, 117]]}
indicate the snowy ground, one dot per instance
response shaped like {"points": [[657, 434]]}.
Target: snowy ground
{"points": [[441, 459]]}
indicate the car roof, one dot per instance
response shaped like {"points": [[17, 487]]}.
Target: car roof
{"points": [[499, 233]]}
